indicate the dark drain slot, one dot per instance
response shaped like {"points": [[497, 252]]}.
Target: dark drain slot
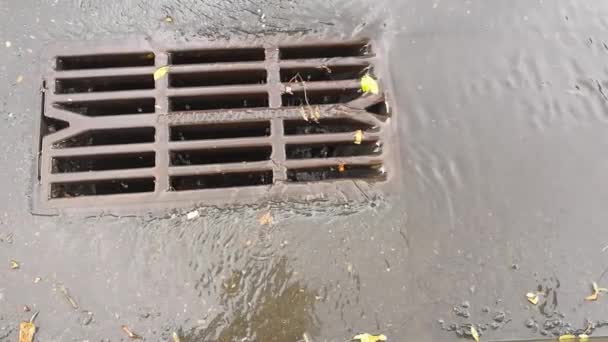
{"points": [[228, 180], [328, 73], [346, 149], [105, 61], [109, 107], [367, 172], [95, 188], [103, 162], [299, 127], [220, 131], [216, 56], [118, 136], [95, 84], [204, 79], [220, 101], [325, 51], [320, 97], [217, 156]]}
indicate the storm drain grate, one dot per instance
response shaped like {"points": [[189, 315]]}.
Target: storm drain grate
{"points": [[224, 124]]}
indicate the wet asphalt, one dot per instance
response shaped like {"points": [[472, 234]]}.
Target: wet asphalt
{"points": [[502, 114]]}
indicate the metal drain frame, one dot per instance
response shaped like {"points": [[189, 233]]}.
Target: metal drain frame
{"points": [[162, 119]]}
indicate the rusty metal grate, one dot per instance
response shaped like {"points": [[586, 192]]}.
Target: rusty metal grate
{"points": [[226, 124]]}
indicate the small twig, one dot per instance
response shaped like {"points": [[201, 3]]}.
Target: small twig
{"points": [[69, 298]]}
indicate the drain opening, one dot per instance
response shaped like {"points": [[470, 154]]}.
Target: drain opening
{"points": [[325, 51], [95, 84], [105, 61], [220, 131], [228, 180], [101, 162], [216, 56], [118, 136], [330, 150], [327, 73], [220, 156], [204, 79], [109, 107], [107, 187], [366, 172], [219, 101], [50, 125], [319, 97], [301, 127]]}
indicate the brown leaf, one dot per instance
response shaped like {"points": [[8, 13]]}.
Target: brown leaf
{"points": [[26, 331], [131, 334]]}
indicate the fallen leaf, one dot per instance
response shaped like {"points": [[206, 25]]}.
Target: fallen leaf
{"points": [[26, 331], [358, 137], [596, 292], [474, 333], [532, 298], [129, 333], [19, 79], [583, 338], [567, 338], [161, 72], [14, 264], [369, 338], [176, 337], [168, 19], [37, 280], [266, 219], [340, 167], [369, 84]]}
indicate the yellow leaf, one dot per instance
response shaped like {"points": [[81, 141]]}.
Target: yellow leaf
{"points": [[592, 297], [567, 338], [595, 287], [161, 72], [14, 265], [266, 219], [26, 331], [583, 338], [369, 84], [369, 338], [358, 137], [19, 79], [532, 298], [474, 333]]}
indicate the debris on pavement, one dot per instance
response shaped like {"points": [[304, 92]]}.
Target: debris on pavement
{"points": [[37, 280], [161, 72], [68, 297], [168, 19], [192, 215], [341, 167], [14, 264], [176, 337], [369, 338], [474, 333], [19, 79], [26, 308], [532, 297], [130, 333]]}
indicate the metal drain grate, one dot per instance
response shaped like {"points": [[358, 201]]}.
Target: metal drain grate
{"points": [[226, 124]]}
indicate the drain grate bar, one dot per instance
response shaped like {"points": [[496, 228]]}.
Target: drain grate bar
{"points": [[220, 168], [92, 150], [226, 123]]}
